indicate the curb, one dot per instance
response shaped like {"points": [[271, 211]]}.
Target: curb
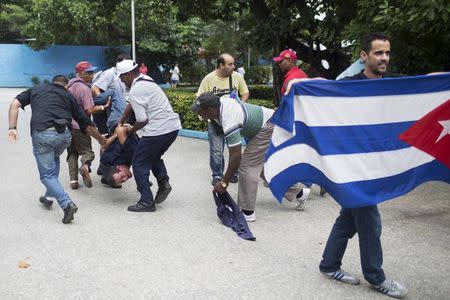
{"points": [[203, 135]]}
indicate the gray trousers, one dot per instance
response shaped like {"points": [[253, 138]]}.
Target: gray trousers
{"points": [[251, 169]]}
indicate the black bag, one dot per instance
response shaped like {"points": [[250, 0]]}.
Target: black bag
{"points": [[60, 125]]}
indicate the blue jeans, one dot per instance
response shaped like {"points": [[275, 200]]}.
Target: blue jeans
{"points": [[147, 156], [116, 109], [216, 147], [48, 145], [366, 222]]}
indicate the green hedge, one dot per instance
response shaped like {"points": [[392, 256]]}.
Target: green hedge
{"points": [[258, 74], [181, 102], [261, 92]]}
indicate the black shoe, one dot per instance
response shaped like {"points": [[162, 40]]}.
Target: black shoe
{"points": [[111, 184], [215, 180], [69, 211], [141, 207], [164, 190], [47, 203], [99, 171], [235, 178]]}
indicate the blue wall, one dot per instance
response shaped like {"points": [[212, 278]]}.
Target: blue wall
{"points": [[19, 63]]}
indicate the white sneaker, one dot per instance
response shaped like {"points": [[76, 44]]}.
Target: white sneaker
{"points": [[392, 288], [302, 199], [250, 218]]}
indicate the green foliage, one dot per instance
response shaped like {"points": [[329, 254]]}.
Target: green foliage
{"points": [[193, 73], [181, 101], [258, 74], [418, 30], [67, 22], [13, 17], [261, 92], [160, 38], [35, 80]]}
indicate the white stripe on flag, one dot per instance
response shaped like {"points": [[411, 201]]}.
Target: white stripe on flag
{"points": [[347, 111], [343, 168]]}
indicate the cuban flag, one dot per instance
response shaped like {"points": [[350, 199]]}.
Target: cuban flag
{"points": [[364, 141]]}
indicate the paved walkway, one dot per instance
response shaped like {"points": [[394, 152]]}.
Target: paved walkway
{"points": [[182, 251]]}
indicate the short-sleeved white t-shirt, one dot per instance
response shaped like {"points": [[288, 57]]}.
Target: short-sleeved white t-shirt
{"points": [[150, 103]]}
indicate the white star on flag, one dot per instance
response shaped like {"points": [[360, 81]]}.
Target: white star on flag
{"points": [[445, 129]]}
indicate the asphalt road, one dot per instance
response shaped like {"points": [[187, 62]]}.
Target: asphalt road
{"points": [[183, 252]]}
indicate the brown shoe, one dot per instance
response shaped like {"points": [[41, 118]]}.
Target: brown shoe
{"points": [[74, 185], [84, 171]]}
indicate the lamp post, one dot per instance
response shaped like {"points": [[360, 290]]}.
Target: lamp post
{"points": [[133, 37]]}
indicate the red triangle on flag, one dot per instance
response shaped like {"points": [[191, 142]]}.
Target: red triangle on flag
{"points": [[431, 133]]}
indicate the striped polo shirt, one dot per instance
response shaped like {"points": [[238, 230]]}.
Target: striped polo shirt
{"points": [[241, 120]]}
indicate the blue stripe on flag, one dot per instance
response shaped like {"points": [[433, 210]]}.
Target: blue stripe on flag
{"points": [[363, 193], [361, 88], [327, 140]]}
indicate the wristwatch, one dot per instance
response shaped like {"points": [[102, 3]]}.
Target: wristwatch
{"points": [[12, 128], [223, 184]]}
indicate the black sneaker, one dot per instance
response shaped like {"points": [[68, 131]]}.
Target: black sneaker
{"points": [[235, 178], [69, 211], [47, 203], [99, 170], [164, 190], [141, 207]]}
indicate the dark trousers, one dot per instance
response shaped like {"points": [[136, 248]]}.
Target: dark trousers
{"points": [[147, 156], [100, 119], [366, 222]]}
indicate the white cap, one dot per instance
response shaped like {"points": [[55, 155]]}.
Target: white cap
{"points": [[125, 66]]}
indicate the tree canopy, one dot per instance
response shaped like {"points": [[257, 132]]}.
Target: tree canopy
{"points": [[172, 31]]}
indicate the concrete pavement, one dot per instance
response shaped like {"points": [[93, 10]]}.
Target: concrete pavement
{"points": [[183, 252]]}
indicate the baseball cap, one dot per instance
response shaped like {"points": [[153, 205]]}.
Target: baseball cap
{"points": [[84, 66], [205, 100], [125, 66], [288, 53]]}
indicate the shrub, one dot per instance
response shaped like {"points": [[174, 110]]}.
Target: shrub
{"points": [[258, 74], [35, 80], [194, 73], [261, 92], [181, 102]]}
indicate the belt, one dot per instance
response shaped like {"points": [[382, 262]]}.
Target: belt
{"points": [[52, 128]]}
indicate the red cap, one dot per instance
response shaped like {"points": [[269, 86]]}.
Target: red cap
{"points": [[84, 66], [288, 53]]}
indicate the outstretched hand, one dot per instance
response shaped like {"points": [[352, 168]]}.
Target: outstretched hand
{"points": [[294, 81]]}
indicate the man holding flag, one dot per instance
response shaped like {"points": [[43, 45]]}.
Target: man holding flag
{"points": [[368, 153], [365, 221]]}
